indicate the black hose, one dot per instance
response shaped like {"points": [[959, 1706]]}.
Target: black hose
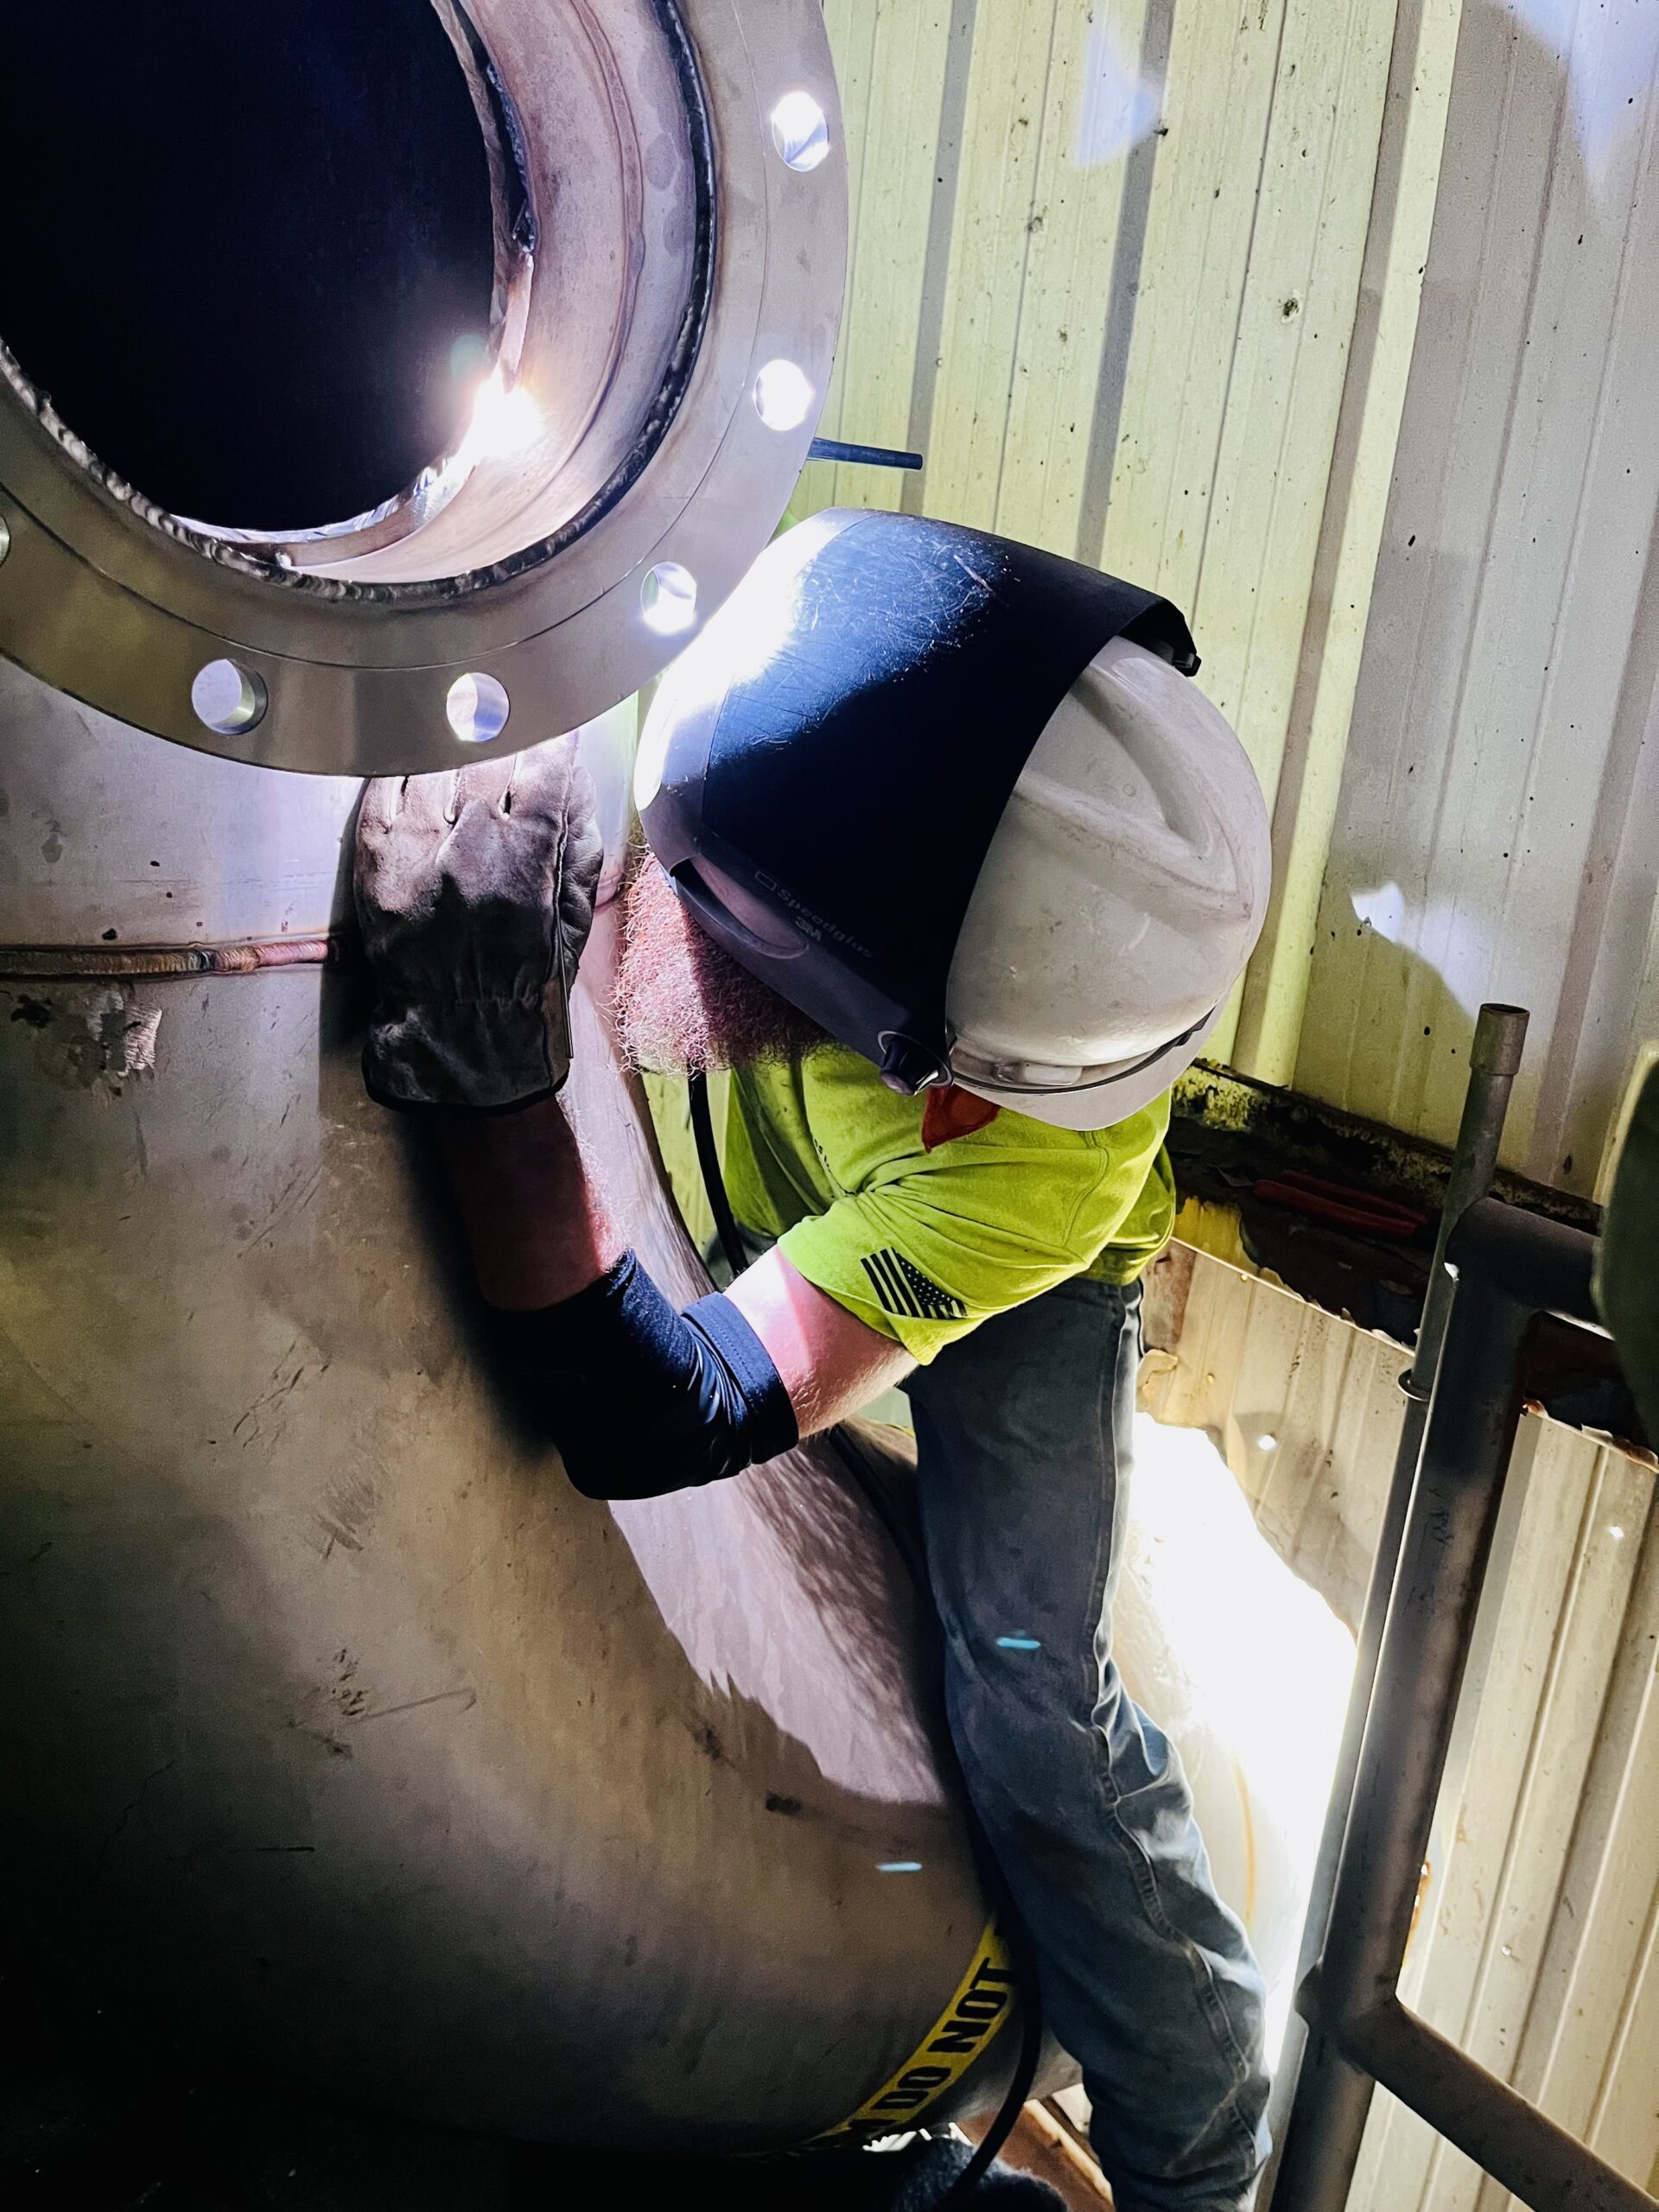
{"points": [[714, 1182], [1013, 2102], [870, 1485]]}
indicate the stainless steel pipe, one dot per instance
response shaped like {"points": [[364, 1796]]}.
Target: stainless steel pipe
{"points": [[670, 220], [330, 1716]]}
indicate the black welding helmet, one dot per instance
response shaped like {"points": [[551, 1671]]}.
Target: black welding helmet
{"points": [[824, 769]]}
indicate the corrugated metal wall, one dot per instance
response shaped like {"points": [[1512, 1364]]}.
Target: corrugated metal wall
{"points": [[1306, 1409], [1495, 835], [1538, 1950], [1140, 280], [1497, 830]]}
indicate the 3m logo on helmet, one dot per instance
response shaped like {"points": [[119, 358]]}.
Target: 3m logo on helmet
{"points": [[811, 924]]}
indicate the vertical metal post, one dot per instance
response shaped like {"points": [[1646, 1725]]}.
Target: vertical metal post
{"points": [[1494, 1060], [1512, 1266], [1405, 1741]]}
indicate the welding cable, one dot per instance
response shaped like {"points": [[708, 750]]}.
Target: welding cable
{"points": [[875, 1492]]}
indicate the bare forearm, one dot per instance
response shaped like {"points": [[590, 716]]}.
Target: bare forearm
{"points": [[831, 1363], [535, 1221], [640, 1400]]}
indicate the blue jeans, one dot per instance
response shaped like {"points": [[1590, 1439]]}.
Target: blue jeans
{"points": [[1023, 1436]]}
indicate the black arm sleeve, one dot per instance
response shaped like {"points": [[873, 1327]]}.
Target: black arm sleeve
{"points": [[641, 1400]]}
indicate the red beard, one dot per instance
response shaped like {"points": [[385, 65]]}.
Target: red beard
{"points": [[684, 1007]]}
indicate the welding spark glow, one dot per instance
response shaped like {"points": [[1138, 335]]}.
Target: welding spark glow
{"points": [[504, 423]]}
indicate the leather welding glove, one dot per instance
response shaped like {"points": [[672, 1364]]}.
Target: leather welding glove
{"points": [[475, 892]]}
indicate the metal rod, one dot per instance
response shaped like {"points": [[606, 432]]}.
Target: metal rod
{"points": [[48, 963], [1512, 2139], [1511, 1265], [1494, 1060], [1406, 1737], [866, 456], [1494, 1063]]}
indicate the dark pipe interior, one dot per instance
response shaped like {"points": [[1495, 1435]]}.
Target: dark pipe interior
{"points": [[249, 251]]}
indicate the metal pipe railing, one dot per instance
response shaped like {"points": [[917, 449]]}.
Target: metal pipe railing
{"points": [[1510, 1266], [1494, 1061], [1540, 2162]]}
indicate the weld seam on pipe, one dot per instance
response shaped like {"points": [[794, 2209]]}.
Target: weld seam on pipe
{"points": [[98, 964]]}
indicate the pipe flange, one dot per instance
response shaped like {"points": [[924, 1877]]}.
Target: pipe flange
{"points": [[672, 221]]}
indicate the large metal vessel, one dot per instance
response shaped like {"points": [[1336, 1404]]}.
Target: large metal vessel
{"points": [[330, 1710], [331, 1713]]}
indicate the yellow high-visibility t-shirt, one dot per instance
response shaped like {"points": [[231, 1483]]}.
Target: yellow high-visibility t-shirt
{"points": [[924, 1233]]}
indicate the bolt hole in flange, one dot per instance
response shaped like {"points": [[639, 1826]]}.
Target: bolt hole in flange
{"points": [[477, 708], [800, 131], [784, 395], [457, 419], [228, 699], [668, 599]]}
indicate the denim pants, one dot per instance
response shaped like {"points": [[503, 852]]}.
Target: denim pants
{"points": [[1023, 1435]]}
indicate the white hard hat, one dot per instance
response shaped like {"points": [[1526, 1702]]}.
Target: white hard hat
{"points": [[1123, 892]]}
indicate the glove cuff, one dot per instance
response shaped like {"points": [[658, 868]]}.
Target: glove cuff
{"points": [[449, 1109], [477, 1056]]}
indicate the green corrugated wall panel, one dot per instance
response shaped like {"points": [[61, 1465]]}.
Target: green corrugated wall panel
{"points": [[891, 60], [1072, 239], [1010, 114], [1296, 315], [1185, 341], [1321, 709]]}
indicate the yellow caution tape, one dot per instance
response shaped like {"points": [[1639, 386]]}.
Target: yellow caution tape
{"points": [[983, 2001]]}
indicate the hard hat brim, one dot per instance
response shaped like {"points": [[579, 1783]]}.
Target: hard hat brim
{"points": [[1102, 1105]]}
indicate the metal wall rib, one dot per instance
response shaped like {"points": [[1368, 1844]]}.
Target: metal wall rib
{"points": [[1497, 830]]}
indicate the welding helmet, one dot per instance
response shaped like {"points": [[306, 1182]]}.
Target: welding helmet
{"points": [[958, 801]]}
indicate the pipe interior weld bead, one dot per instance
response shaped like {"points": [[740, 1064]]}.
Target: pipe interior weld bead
{"points": [[549, 323]]}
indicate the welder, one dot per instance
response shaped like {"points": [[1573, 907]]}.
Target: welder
{"points": [[952, 865]]}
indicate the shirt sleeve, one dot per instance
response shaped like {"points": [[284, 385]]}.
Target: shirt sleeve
{"points": [[926, 1257]]}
